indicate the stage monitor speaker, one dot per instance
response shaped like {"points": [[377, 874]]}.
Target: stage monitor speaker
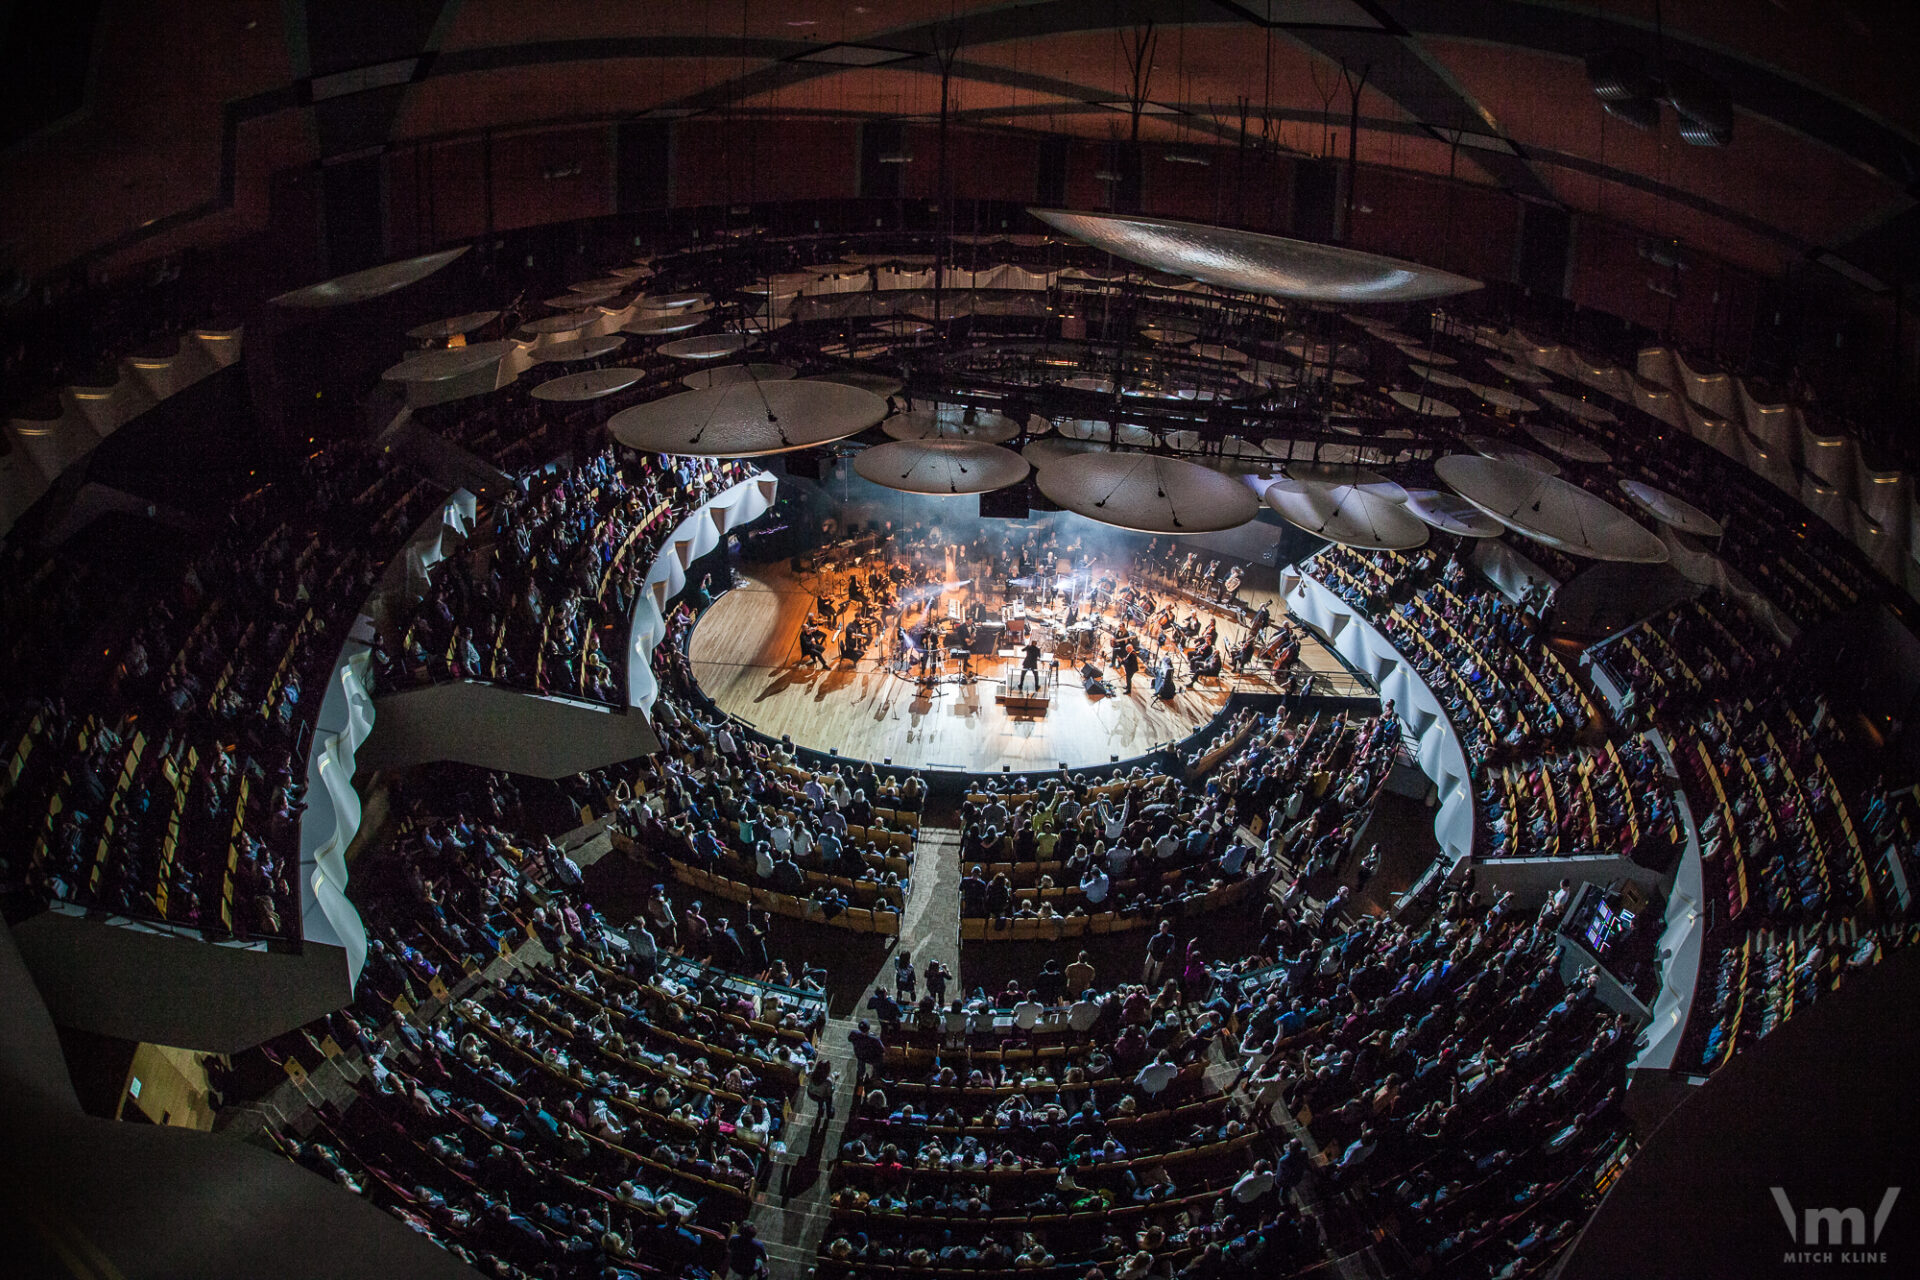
{"points": [[1004, 504], [1089, 672], [804, 465]]}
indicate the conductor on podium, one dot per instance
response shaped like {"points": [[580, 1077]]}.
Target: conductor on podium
{"points": [[1029, 666]]}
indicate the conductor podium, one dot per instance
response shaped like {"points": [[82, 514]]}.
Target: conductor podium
{"points": [[1017, 701]]}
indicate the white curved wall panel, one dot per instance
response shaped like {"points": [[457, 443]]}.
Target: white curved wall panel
{"points": [[697, 534], [1436, 747]]}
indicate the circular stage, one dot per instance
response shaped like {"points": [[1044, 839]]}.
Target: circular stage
{"points": [[746, 656]]}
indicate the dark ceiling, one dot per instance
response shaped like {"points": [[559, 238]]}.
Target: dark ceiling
{"points": [[189, 108]]}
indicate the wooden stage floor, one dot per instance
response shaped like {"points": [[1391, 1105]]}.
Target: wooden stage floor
{"points": [[745, 652]]}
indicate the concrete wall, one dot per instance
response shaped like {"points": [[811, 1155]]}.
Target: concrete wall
{"points": [[494, 728], [139, 984]]}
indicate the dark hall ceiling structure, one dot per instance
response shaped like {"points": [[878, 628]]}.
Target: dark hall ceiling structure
{"points": [[188, 109]]}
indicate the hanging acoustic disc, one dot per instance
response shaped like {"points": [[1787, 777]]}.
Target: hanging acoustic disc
{"points": [[1450, 513], [1147, 492], [374, 282], [1043, 453], [1520, 372], [581, 298], [1339, 473], [878, 383], [449, 362], [748, 419], [591, 385], [941, 466], [1248, 262], [1550, 510], [1438, 377], [712, 346], [1489, 447], [1507, 400], [1431, 406], [952, 422], [453, 324], [1347, 515], [1585, 410], [1567, 444], [566, 322], [720, 375], [653, 326], [580, 348], [1673, 511]]}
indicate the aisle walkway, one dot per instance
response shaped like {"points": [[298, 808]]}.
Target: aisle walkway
{"points": [[792, 1213]]}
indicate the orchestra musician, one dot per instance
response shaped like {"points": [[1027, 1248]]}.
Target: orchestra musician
{"points": [[1204, 661], [961, 644], [853, 641], [813, 645], [1243, 653], [894, 598], [1129, 665]]}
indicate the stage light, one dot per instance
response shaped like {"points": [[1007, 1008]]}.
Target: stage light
{"points": [[1620, 76], [1704, 105], [1626, 89], [1641, 113]]}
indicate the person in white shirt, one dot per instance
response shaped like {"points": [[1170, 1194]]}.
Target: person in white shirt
{"points": [[1153, 1079], [1254, 1183], [1027, 1014], [1118, 859], [762, 859], [1082, 1014]]}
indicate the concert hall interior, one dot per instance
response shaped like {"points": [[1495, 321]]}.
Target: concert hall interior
{"points": [[925, 639]]}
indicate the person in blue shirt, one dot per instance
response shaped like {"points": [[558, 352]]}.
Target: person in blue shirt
{"points": [[746, 1256]]}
